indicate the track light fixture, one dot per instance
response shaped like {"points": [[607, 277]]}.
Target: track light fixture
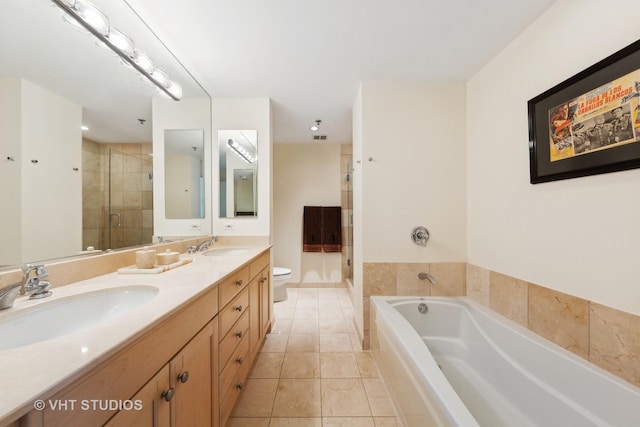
{"points": [[240, 151], [86, 17]]}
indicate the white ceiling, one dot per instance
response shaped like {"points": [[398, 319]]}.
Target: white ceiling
{"points": [[309, 56]]}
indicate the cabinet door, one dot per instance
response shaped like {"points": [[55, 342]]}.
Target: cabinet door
{"points": [[255, 327], [190, 376], [215, 378], [149, 407], [265, 302]]}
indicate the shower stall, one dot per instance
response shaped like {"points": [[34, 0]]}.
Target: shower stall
{"points": [[117, 195]]}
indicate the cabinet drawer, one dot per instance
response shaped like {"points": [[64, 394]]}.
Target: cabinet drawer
{"points": [[231, 286], [230, 314], [234, 337], [229, 396], [258, 264], [239, 358]]}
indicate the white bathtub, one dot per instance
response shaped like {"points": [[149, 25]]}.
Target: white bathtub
{"points": [[460, 364]]}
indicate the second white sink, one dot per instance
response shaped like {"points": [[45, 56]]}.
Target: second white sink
{"points": [[225, 251], [69, 314]]}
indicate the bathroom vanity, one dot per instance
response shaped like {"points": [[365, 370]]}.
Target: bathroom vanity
{"points": [[181, 358]]}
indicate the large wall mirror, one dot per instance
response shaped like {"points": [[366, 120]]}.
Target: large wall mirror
{"points": [[238, 180], [90, 188]]}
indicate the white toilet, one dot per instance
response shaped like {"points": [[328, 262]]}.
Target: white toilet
{"points": [[280, 278]]}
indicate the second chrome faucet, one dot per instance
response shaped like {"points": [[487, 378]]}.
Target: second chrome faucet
{"points": [[34, 286]]}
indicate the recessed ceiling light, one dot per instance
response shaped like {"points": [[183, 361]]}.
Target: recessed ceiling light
{"points": [[315, 127]]}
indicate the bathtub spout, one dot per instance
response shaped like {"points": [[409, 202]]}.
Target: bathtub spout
{"points": [[427, 276]]}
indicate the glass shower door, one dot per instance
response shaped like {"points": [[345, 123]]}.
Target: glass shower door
{"points": [[130, 197]]}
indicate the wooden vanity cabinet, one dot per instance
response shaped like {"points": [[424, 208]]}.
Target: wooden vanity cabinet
{"points": [[155, 410], [183, 373], [233, 348], [242, 335], [181, 393], [176, 340], [260, 301], [265, 301]]}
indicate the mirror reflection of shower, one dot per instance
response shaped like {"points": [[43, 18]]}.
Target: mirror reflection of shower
{"points": [[117, 186]]}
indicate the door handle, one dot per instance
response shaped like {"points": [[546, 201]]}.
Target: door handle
{"points": [[117, 216]]}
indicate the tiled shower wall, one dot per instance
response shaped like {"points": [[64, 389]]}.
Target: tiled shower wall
{"points": [[346, 193], [131, 194], [605, 336], [93, 197]]}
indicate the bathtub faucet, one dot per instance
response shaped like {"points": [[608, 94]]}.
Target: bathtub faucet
{"points": [[427, 276]]}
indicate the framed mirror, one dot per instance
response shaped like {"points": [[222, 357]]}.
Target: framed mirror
{"points": [[184, 173], [238, 179], [96, 184]]}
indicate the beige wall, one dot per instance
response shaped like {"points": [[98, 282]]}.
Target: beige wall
{"points": [[304, 175], [409, 170], [578, 236], [41, 133]]}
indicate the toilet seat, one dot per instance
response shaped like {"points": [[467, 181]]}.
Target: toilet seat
{"points": [[280, 277], [280, 272]]}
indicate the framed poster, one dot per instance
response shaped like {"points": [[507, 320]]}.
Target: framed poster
{"points": [[590, 123]]}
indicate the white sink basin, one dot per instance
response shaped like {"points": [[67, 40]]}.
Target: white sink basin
{"points": [[69, 314], [225, 251]]}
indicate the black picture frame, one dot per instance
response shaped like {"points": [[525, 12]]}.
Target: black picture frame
{"points": [[566, 138]]}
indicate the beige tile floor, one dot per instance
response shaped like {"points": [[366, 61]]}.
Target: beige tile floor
{"points": [[312, 372]]}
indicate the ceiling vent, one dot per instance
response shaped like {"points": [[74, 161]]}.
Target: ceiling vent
{"points": [[319, 137]]}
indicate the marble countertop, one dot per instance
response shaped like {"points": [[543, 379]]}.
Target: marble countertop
{"points": [[37, 370]]}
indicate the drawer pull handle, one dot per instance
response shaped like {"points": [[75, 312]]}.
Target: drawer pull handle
{"points": [[184, 377], [238, 308], [239, 334], [239, 360], [239, 386], [239, 282], [168, 394]]}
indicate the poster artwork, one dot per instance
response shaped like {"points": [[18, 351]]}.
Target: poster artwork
{"points": [[603, 118]]}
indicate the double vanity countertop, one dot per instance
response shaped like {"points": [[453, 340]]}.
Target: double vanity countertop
{"points": [[42, 368]]}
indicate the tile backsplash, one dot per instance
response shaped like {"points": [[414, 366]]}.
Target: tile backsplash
{"points": [[605, 336]]}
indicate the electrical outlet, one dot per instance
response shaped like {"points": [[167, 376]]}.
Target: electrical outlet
{"points": [[228, 226], [195, 226]]}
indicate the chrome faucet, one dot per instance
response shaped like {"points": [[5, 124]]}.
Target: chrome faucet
{"points": [[8, 295], [427, 276], [35, 287], [206, 244]]}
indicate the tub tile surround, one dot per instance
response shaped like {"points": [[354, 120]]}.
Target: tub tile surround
{"points": [[615, 341], [605, 336], [560, 318], [402, 279]]}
